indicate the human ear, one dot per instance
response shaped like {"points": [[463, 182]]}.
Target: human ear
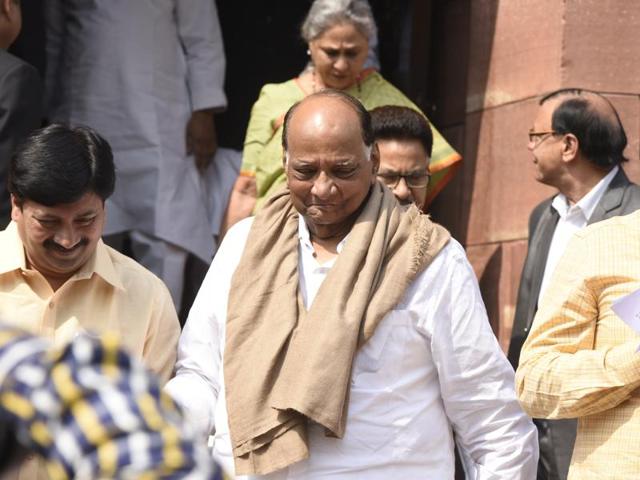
{"points": [[374, 158], [570, 146], [16, 208]]}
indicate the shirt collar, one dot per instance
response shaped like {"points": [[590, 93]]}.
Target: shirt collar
{"points": [[13, 258], [101, 264], [305, 237], [589, 202]]}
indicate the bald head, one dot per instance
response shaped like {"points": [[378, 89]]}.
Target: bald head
{"points": [[330, 161], [332, 107], [593, 120]]}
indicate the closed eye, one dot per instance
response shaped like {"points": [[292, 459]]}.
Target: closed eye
{"points": [[85, 222], [345, 172], [330, 52], [304, 173]]}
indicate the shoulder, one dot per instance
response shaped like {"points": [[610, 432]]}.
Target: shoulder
{"points": [[538, 210], [280, 90], [625, 227], [135, 278], [239, 232], [541, 207], [376, 92], [631, 197], [11, 65], [275, 98], [232, 246], [438, 273]]}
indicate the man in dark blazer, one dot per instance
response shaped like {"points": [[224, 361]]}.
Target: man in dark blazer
{"points": [[20, 98], [577, 142]]}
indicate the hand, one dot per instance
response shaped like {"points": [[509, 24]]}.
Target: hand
{"points": [[202, 141]]}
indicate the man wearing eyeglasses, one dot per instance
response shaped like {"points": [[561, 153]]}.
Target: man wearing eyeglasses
{"points": [[405, 142], [577, 143]]}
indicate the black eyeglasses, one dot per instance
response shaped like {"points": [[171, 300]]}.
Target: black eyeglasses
{"points": [[413, 180], [538, 137]]}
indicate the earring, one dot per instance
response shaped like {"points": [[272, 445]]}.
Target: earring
{"points": [[308, 52]]}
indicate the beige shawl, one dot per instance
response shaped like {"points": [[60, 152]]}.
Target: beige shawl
{"points": [[283, 366]]}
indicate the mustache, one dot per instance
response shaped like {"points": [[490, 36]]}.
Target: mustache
{"points": [[52, 245]]}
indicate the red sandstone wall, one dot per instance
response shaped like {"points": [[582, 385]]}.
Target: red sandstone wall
{"points": [[510, 53]]}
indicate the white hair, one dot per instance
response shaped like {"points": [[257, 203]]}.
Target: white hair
{"points": [[324, 14]]}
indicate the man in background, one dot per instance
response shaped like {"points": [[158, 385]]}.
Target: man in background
{"points": [[405, 142], [147, 75], [20, 98], [577, 142]]}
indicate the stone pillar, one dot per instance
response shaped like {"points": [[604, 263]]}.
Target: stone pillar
{"points": [[510, 53]]}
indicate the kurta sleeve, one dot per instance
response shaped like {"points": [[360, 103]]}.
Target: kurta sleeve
{"points": [[201, 39], [160, 345], [561, 373], [495, 437]]}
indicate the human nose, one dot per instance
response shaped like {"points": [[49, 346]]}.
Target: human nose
{"points": [[322, 186], [341, 63], [66, 237], [531, 144], [402, 190]]}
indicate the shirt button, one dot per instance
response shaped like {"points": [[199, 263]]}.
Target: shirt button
{"points": [[51, 304]]}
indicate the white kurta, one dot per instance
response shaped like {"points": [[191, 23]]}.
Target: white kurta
{"points": [[134, 71], [433, 366]]}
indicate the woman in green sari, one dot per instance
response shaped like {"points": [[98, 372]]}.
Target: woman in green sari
{"points": [[337, 33]]}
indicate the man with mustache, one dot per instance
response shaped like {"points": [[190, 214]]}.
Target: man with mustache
{"points": [[57, 277]]}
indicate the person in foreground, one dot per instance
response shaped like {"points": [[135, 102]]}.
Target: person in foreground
{"points": [[90, 411], [341, 335], [57, 278], [338, 34], [577, 142], [581, 359], [405, 142]]}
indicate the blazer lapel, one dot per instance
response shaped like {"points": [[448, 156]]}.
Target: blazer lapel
{"points": [[539, 250]]}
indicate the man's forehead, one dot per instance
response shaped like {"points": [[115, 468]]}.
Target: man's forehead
{"points": [[324, 113], [87, 204]]}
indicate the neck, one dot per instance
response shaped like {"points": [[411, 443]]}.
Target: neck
{"points": [[581, 181], [55, 280], [329, 236]]}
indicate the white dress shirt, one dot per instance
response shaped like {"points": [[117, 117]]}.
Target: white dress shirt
{"points": [[572, 219], [432, 366]]}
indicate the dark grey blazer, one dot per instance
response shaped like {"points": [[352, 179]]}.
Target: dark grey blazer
{"points": [[621, 197], [20, 113]]}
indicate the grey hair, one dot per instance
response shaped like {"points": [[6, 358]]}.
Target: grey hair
{"points": [[324, 14]]}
